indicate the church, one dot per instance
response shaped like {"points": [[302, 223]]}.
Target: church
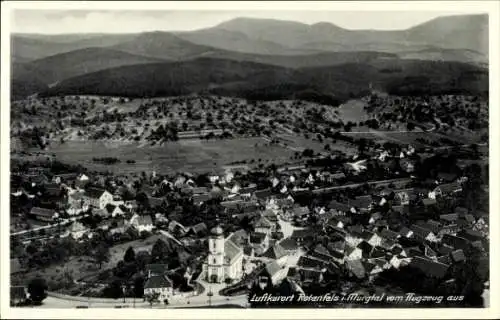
{"points": [[225, 258]]}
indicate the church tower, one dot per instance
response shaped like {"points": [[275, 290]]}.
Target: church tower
{"points": [[215, 272]]}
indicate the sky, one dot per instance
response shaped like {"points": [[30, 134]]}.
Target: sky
{"points": [[101, 21]]}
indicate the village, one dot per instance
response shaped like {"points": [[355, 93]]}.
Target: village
{"points": [[397, 218]]}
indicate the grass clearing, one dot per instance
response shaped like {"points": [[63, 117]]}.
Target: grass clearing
{"points": [[186, 155]]}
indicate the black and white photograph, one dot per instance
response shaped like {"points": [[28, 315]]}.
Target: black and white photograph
{"points": [[247, 158]]}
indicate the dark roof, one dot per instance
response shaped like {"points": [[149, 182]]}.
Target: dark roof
{"points": [[200, 227], [263, 223], [365, 247], [446, 259], [357, 268], [275, 252], [42, 212], [389, 234], [200, 190], [156, 268], [404, 231], [429, 267], [155, 202], [362, 202], [67, 176], [311, 262], [257, 237], [264, 193], [429, 201], [429, 226], [470, 234], [95, 193], [461, 210], [445, 249], [110, 207], [289, 244], [158, 282], [302, 233], [451, 217], [198, 198], [458, 255], [342, 207], [420, 231], [144, 220], [300, 211], [455, 242], [239, 237], [450, 187]]}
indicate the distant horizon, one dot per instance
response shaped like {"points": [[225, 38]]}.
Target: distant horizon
{"points": [[80, 21]]}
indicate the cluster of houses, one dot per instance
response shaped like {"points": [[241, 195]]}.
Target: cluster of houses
{"points": [[338, 243]]}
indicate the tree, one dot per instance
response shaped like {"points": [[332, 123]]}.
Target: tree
{"points": [[101, 255], [37, 288], [129, 255]]}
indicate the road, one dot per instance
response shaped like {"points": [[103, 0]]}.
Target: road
{"points": [[203, 300], [54, 225], [359, 184]]}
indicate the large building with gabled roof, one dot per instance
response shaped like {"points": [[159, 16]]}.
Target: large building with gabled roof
{"points": [[225, 258]]}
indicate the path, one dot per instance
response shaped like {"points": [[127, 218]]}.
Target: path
{"points": [[359, 184]]}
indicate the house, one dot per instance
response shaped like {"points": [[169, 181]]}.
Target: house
{"points": [[199, 229], [321, 253], [259, 242], [430, 268], [77, 230], [159, 284], [275, 271], [18, 295], [156, 269], [356, 269], [447, 219], [277, 253], [66, 178], [423, 234], [373, 268], [114, 210], [363, 203], [176, 228], [458, 256], [200, 198], [240, 237], [447, 189], [263, 225], [471, 235], [98, 198], [455, 242], [366, 248], [389, 235], [398, 261], [43, 214], [225, 258], [291, 246], [302, 235], [142, 223], [339, 208], [372, 238], [352, 253]]}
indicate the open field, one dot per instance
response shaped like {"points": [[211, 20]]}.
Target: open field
{"points": [[188, 155]]}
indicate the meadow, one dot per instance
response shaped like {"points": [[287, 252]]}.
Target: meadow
{"points": [[185, 155]]}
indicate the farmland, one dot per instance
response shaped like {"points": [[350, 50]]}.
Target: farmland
{"points": [[184, 155]]}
